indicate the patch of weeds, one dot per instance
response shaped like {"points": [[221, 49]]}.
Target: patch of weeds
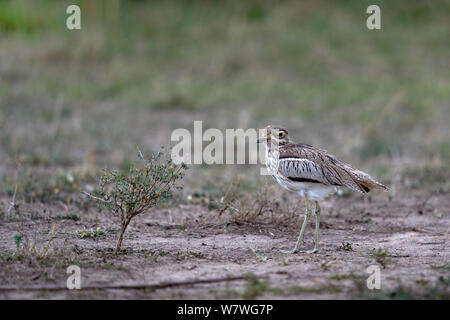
{"points": [[245, 204], [440, 214], [72, 216], [230, 294], [434, 178], [382, 256], [363, 218], [8, 256], [163, 253], [283, 261], [262, 258], [328, 287], [295, 290], [18, 239], [422, 282], [94, 234], [32, 249], [175, 101], [346, 246], [256, 287], [109, 265], [344, 193], [339, 276], [186, 255]]}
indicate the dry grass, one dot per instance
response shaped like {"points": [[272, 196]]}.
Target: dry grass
{"points": [[261, 205]]}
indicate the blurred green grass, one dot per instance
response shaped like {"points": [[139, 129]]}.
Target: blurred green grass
{"points": [[139, 69], [311, 56]]}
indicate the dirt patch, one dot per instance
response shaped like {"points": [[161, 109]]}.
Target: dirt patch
{"points": [[161, 249]]}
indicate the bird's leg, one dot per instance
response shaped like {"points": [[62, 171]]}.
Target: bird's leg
{"points": [[302, 230], [316, 242]]}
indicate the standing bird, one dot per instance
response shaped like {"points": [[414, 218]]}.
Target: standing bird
{"points": [[311, 172]]}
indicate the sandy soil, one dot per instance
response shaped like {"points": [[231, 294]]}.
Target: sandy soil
{"points": [[199, 245]]}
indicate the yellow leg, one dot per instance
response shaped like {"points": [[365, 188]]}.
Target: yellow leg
{"points": [[302, 230], [316, 238]]}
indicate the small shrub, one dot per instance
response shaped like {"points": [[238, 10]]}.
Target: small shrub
{"points": [[127, 195], [346, 246]]}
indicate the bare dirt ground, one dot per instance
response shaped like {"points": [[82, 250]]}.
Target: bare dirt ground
{"points": [[73, 102], [189, 242]]}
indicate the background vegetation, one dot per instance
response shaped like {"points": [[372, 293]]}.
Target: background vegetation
{"points": [[139, 69]]}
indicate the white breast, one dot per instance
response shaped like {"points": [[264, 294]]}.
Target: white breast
{"points": [[314, 191]]}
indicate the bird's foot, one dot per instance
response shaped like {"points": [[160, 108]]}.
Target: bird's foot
{"points": [[315, 250]]}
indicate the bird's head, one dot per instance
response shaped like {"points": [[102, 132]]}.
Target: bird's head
{"points": [[274, 135]]}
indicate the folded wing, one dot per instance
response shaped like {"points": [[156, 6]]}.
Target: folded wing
{"points": [[304, 163]]}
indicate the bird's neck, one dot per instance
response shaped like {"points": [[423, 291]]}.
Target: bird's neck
{"points": [[276, 145]]}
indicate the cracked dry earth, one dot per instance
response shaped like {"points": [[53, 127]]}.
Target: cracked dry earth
{"points": [[189, 243]]}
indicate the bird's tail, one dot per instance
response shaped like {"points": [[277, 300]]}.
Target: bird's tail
{"points": [[367, 182]]}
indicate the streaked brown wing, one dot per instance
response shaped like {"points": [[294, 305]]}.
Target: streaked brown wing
{"points": [[298, 169], [306, 162]]}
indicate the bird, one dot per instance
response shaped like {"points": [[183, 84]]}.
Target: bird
{"points": [[312, 173]]}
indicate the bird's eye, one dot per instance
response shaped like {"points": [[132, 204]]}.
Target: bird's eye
{"points": [[280, 134]]}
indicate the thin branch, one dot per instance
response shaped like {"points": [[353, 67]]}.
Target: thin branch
{"points": [[95, 198]]}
